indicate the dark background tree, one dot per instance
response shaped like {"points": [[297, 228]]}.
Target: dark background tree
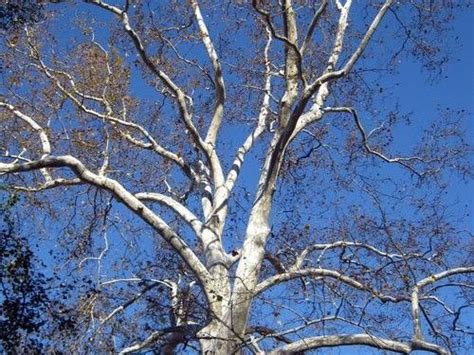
{"points": [[23, 299], [17, 12], [34, 308]]}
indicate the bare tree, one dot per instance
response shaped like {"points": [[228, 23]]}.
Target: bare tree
{"points": [[226, 178]]}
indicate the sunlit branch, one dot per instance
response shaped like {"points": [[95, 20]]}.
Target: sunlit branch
{"points": [[438, 301], [322, 89], [339, 6], [109, 74], [103, 252], [17, 157], [307, 323], [262, 120], [332, 75], [254, 347], [33, 124], [130, 302], [106, 154], [45, 144], [122, 195], [218, 75], [315, 113], [134, 279], [451, 284], [48, 185], [150, 340], [357, 339], [341, 244], [424, 282], [178, 93], [340, 35], [129, 279], [177, 207], [157, 335], [436, 277], [260, 287], [318, 272], [152, 144]]}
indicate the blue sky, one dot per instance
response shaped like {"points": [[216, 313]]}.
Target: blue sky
{"points": [[455, 90]]}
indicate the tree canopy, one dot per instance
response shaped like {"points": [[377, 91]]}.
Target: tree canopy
{"points": [[233, 177]]}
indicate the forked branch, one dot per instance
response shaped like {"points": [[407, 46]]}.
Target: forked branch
{"points": [[45, 144], [418, 336], [79, 98], [123, 195], [290, 44], [184, 213], [262, 120], [178, 93], [403, 161], [335, 74]]}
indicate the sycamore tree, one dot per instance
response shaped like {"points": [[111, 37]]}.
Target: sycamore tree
{"points": [[236, 176]]}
